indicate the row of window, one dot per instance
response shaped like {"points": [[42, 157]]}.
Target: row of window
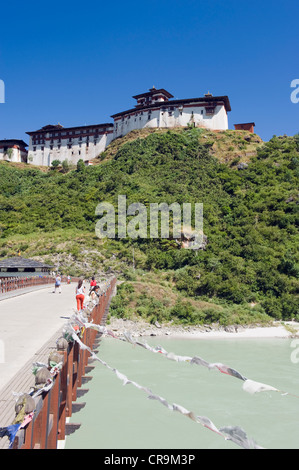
{"points": [[79, 152], [70, 140], [149, 116], [149, 100], [84, 131], [51, 146], [169, 109]]}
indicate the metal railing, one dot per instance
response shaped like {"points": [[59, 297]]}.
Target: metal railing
{"points": [[49, 423], [8, 284]]}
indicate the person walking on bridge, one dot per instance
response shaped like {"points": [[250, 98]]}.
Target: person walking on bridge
{"points": [[80, 295], [57, 284]]}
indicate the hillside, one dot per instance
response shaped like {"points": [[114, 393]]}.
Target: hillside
{"points": [[230, 147], [249, 269]]}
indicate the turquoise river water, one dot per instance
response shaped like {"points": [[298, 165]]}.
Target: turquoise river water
{"points": [[122, 417]]}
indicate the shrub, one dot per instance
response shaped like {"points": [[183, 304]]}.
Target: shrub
{"points": [[55, 163]]}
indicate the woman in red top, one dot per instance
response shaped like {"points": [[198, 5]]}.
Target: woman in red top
{"points": [[80, 295], [93, 283]]}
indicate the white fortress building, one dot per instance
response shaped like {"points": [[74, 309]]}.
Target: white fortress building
{"points": [[54, 142], [155, 109], [13, 150]]}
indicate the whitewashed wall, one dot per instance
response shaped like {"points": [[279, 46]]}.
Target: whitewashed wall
{"points": [[79, 150], [16, 156], [174, 118]]}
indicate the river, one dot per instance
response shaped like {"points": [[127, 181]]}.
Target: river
{"points": [[122, 417]]}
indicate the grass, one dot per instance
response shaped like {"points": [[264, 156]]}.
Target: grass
{"points": [[226, 146], [157, 300]]}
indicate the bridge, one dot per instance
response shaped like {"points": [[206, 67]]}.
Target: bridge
{"points": [[32, 319]]}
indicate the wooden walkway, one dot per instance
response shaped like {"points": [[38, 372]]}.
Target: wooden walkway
{"points": [[24, 379], [21, 383]]}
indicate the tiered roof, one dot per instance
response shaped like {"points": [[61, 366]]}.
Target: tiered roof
{"points": [[207, 100], [19, 262]]}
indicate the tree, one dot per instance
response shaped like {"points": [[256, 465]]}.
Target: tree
{"points": [[9, 153], [80, 165], [56, 163], [65, 166]]}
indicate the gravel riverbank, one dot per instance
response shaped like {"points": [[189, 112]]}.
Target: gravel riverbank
{"points": [[140, 328]]}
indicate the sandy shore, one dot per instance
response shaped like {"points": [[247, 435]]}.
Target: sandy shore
{"points": [[140, 328]]}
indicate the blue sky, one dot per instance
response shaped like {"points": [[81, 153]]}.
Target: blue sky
{"points": [[77, 63]]}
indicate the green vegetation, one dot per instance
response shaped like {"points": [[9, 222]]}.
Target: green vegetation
{"points": [[8, 153], [56, 163], [155, 303], [249, 270]]}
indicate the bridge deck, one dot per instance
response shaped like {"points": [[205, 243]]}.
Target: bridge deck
{"points": [[30, 324], [30, 327], [21, 383]]}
